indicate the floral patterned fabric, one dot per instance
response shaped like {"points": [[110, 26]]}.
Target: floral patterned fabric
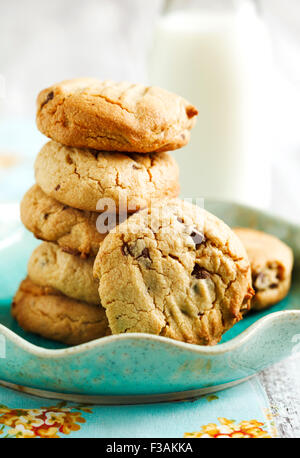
{"points": [[239, 412], [51, 422], [229, 428]]}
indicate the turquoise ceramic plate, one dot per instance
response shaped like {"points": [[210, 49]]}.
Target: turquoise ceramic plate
{"points": [[134, 368]]}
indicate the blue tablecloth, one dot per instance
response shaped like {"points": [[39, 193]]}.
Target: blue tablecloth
{"points": [[242, 411]]}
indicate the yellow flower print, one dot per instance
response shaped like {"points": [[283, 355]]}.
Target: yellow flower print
{"points": [[21, 431], [4, 409], [29, 420], [48, 432], [54, 417], [35, 412], [231, 429], [45, 422], [9, 419]]}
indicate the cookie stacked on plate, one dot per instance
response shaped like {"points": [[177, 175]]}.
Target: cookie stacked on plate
{"points": [[107, 159]]}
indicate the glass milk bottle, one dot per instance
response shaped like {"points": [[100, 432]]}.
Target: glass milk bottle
{"points": [[217, 55]]}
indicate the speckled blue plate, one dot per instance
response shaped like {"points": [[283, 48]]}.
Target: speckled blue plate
{"points": [[134, 368]]}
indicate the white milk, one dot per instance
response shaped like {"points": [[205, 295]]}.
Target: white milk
{"points": [[220, 62]]}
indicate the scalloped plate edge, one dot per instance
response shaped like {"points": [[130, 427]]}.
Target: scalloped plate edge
{"points": [[199, 349]]}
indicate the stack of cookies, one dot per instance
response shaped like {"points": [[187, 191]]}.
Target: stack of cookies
{"points": [[107, 158], [170, 268]]}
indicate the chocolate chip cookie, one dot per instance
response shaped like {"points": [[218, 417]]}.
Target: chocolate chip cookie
{"points": [[110, 116], [174, 270], [271, 264], [73, 230], [47, 312], [50, 266], [81, 177]]}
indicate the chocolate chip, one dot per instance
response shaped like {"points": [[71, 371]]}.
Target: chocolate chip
{"points": [[199, 272], [69, 159], [57, 187], [48, 98], [180, 220], [46, 215], [197, 237], [144, 258], [196, 288], [132, 251], [125, 249], [136, 167], [145, 253], [274, 285]]}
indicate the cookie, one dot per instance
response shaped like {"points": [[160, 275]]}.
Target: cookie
{"points": [[110, 116], [81, 177], [271, 264], [174, 270], [45, 311], [50, 266], [73, 230]]}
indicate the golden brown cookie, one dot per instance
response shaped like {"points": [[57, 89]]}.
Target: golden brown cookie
{"points": [[271, 264], [45, 311], [174, 270], [110, 116], [50, 266], [73, 230], [81, 177]]}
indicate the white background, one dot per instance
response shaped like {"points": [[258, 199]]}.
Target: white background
{"points": [[46, 41]]}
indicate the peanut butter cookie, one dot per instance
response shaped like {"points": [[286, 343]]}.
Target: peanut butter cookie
{"points": [[81, 177], [45, 311], [271, 264], [174, 270], [50, 266], [110, 116], [73, 230]]}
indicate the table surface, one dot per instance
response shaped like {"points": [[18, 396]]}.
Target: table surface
{"points": [[282, 385]]}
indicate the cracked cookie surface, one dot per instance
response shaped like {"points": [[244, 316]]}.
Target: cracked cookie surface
{"points": [[47, 312], [50, 266], [271, 265], [81, 177], [173, 270], [73, 230], [110, 116]]}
